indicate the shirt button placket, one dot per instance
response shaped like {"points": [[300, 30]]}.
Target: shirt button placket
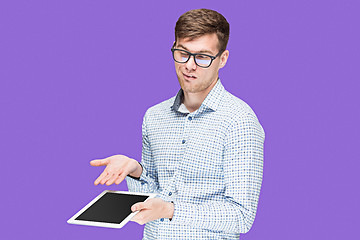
{"points": [[186, 130], [185, 137]]}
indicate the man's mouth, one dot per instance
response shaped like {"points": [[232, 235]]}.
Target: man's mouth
{"points": [[189, 76]]}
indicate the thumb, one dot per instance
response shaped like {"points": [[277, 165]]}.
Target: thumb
{"points": [[137, 206], [99, 162]]}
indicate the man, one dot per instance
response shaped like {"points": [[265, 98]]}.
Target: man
{"points": [[202, 149]]}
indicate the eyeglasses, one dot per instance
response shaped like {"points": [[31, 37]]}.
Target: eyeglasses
{"points": [[202, 60]]}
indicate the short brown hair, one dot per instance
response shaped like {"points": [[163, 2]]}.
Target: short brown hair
{"points": [[198, 22]]}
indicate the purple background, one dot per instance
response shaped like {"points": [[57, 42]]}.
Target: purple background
{"points": [[76, 82]]}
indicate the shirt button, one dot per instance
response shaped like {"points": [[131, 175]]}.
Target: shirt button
{"points": [[162, 219], [183, 141], [142, 183], [170, 193], [190, 118]]}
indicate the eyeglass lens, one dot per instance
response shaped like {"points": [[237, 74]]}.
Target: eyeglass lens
{"points": [[201, 60]]}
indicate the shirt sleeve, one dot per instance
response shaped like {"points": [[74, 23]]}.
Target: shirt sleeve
{"points": [[148, 181], [243, 170]]}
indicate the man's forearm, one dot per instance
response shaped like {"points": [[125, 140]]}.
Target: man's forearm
{"points": [[137, 173]]}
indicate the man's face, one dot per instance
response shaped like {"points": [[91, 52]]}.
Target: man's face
{"points": [[195, 79]]}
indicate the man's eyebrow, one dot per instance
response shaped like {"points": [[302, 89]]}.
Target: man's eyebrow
{"points": [[201, 51]]}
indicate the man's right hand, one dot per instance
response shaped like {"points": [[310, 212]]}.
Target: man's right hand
{"points": [[117, 168]]}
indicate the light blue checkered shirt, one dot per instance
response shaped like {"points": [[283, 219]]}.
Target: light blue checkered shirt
{"points": [[208, 162]]}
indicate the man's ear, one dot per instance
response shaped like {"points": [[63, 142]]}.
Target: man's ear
{"points": [[223, 58]]}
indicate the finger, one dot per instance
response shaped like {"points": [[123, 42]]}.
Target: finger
{"points": [[120, 178], [99, 162], [102, 175], [137, 218], [111, 179], [104, 179], [141, 217]]}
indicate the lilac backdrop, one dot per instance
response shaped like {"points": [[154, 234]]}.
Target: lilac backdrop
{"points": [[76, 82]]}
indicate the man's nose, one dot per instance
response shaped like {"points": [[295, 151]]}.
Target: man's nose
{"points": [[190, 64]]}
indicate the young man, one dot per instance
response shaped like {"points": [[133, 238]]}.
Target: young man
{"points": [[202, 149]]}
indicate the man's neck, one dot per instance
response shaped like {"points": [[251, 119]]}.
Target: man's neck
{"points": [[193, 101]]}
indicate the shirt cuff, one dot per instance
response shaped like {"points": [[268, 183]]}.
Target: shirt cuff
{"points": [[170, 219], [183, 213]]}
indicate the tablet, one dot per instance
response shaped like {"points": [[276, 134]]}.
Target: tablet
{"points": [[110, 209]]}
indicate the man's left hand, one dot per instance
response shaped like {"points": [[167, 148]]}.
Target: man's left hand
{"points": [[152, 209]]}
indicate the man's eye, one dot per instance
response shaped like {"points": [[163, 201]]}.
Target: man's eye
{"points": [[202, 57]]}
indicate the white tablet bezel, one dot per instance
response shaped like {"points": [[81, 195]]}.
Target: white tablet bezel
{"points": [[102, 224]]}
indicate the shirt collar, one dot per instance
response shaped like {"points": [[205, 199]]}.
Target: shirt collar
{"points": [[211, 101]]}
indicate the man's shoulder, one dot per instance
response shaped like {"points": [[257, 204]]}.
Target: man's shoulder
{"points": [[237, 112], [235, 106], [161, 107]]}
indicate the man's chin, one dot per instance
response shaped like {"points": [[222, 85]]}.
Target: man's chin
{"points": [[190, 90], [188, 86]]}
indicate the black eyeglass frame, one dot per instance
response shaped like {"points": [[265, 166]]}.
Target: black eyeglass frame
{"points": [[195, 54]]}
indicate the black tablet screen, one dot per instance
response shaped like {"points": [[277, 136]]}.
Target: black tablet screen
{"points": [[111, 208]]}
